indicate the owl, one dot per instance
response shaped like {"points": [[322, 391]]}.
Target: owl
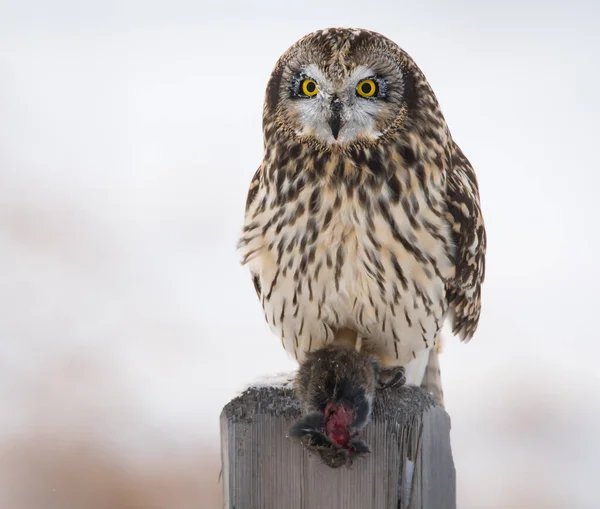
{"points": [[363, 228]]}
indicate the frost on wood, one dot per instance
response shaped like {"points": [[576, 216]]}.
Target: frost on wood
{"points": [[284, 380], [410, 466]]}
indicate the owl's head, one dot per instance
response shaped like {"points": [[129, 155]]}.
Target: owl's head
{"points": [[337, 87]]}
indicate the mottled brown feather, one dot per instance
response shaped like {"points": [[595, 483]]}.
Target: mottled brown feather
{"points": [[464, 214]]}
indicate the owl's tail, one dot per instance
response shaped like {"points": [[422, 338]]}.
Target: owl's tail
{"points": [[432, 381]]}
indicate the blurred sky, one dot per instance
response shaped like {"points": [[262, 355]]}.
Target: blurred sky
{"points": [[129, 132]]}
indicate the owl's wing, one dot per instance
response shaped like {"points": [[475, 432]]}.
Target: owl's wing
{"points": [[252, 192], [463, 292]]}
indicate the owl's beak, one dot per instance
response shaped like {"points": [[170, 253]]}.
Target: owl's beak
{"points": [[335, 121]]}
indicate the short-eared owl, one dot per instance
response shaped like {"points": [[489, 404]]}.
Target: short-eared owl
{"points": [[363, 226]]}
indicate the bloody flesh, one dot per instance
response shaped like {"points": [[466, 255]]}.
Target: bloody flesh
{"points": [[338, 418]]}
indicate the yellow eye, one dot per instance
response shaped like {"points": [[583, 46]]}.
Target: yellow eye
{"points": [[309, 87], [366, 88]]}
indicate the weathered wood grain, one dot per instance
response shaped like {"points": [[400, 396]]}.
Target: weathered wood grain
{"points": [[263, 469]]}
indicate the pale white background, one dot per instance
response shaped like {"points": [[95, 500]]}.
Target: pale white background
{"points": [[129, 132]]}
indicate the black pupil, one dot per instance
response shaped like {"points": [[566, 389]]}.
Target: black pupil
{"points": [[311, 87], [366, 88]]}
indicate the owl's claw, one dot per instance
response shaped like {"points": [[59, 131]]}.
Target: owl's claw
{"points": [[391, 377]]}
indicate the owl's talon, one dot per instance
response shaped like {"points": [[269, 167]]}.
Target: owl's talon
{"points": [[391, 378]]}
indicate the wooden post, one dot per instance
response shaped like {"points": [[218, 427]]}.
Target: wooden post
{"points": [[410, 466]]}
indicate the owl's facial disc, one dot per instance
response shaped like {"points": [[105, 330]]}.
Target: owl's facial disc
{"points": [[338, 111]]}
